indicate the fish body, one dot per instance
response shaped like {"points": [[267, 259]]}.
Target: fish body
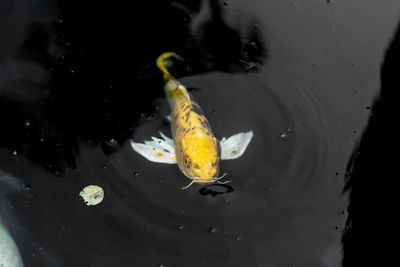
{"points": [[194, 148], [197, 151]]}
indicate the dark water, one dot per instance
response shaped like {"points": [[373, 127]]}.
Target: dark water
{"points": [[315, 80]]}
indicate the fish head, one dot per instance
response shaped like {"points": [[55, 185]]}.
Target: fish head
{"points": [[198, 158]]}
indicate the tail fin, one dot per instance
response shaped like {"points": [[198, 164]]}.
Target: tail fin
{"points": [[161, 66]]}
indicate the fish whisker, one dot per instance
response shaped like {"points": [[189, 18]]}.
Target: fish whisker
{"points": [[193, 181], [223, 182]]}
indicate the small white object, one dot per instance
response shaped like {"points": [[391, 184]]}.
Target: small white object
{"points": [[92, 194], [234, 146]]}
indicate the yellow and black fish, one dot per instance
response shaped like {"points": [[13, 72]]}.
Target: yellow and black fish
{"points": [[193, 147]]}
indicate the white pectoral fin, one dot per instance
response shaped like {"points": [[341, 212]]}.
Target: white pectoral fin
{"points": [[168, 140], [234, 146], [158, 150]]}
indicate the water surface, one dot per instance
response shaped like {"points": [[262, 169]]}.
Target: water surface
{"points": [[78, 81]]}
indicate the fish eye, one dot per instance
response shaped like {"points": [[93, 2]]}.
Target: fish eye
{"points": [[188, 161]]}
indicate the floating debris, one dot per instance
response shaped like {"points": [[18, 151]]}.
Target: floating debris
{"points": [[92, 194], [212, 230]]}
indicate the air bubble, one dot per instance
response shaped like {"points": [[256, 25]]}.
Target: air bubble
{"points": [[285, 134], [112, 142]]}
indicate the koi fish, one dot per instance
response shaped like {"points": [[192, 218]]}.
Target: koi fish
{"points": [[193, 146]]}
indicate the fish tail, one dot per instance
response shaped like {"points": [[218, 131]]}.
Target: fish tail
{"points": [[160, 64]]}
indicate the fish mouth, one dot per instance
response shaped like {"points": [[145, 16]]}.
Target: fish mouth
{"points": [[206, 181]]}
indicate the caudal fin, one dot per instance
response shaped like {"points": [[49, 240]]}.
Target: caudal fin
{"points": [[160, 64]]}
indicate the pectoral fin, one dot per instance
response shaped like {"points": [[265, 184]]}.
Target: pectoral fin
{"points": [[234, 146], [158, 150], [168, 140]]}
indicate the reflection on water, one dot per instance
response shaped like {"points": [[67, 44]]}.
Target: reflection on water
{"points": [[78, 80], [371, 175], [215, 189], [92, 78], [9, 253]]}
